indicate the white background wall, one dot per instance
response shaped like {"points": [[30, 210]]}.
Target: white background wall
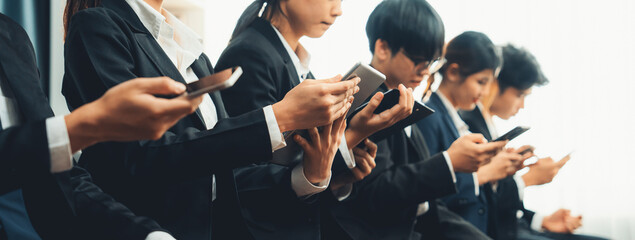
{"points": [[585, 49]]}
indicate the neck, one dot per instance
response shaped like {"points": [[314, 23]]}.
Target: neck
{"points": [[284, 27], [156, 4], [448, 94]]}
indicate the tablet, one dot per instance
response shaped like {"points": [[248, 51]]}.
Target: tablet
{"points": [[391, 98], [512, 133], [371, 79], [218, 81]]}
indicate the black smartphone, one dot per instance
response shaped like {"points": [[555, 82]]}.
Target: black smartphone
{"points": [[218, 81], [512, 133]]}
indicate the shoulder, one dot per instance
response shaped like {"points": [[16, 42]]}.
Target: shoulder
{"points": [[250, 46], [96, 19]]}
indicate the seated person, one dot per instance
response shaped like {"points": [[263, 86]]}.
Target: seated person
{"points": [[520, 72]]}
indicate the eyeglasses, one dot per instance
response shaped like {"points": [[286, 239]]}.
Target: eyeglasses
{"points": [[421, 63]]}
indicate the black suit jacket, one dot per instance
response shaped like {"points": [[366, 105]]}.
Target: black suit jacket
{"points": [[270, 206], [386, 201], [167, 179], [61, 206], [503, 204]]}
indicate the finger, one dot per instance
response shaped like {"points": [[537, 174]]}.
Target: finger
{"points": [[403, 96], [411, 101], [493, 146], [357, 173], [157, 86], [336, 88], [344, 110], [302, 142], [372, 148], [325, 134], [314, 135], [372, 105], [476, 138], [563, 161]]}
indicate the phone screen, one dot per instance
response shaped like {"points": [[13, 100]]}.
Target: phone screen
{"points": [[512, 133]]}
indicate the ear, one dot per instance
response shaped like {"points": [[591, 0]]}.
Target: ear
{"points": [[382, 51], [452, 73]]}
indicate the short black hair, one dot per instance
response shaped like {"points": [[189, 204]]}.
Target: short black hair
{"points": [[409, 24], [520, 70], [473, 52]]}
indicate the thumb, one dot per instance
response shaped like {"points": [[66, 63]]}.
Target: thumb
{"points": [[372, 104], [158, 86]]}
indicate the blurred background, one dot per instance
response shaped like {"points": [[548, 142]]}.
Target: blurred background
{"points": [[585, 49]]}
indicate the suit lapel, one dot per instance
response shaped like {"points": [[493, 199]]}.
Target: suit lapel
{"points": [[202, 68], [446, 115], [264, 27]]}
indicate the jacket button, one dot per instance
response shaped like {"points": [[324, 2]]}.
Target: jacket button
{"points": [[481, 211], [309, 220], [462, 201]]}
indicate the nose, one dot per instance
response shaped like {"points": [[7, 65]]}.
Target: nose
{"points": [[522, 103], [337, 9]]}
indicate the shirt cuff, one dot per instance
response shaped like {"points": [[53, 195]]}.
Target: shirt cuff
{"points": [[475, 182], [348, 156], [158, 235], [302, 186], [343, 193], [277, 140], [423, 208], [536, 222], [59, 144], [449, 162], [520, 184]]}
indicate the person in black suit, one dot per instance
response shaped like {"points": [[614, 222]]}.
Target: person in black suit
{"points": [[36, 147], [184, 180], [520, 72], [268, 48], [472, 61], [398, 199]]}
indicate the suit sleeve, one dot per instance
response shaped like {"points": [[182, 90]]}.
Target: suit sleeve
{"points": [[183, 152], [25, 155], [408, 184]]}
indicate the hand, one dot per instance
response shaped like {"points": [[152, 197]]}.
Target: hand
{"points": [[315, 103], [365, 163], [501, 166], [543, 171], [528, 154], [129, 111], [561, 221], [319, 153], [471, 151], [366, 122]]}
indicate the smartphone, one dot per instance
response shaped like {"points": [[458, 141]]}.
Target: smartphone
{"points": [[512, 133], [371, 79], [218, 81]]}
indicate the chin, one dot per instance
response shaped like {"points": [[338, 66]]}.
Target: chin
{"points": [[468, 107]]}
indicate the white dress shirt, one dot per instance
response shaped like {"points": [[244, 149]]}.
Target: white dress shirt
{"points": [[301, 59], [56, 133], [461, 127]]}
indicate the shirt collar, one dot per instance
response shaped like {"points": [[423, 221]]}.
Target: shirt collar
{"points": [[301, 64], [460, 125], [156, 23]]}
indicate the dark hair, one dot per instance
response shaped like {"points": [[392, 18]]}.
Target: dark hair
{"points": [[251, 13], [74, 6], [409, 24], [520, 71], [473, 52]]}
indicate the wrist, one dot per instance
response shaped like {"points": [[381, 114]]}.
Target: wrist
{"points": [[352, 138], [83, 127], [284, 121], [529, 181], [316, 178], [482, 177]]}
